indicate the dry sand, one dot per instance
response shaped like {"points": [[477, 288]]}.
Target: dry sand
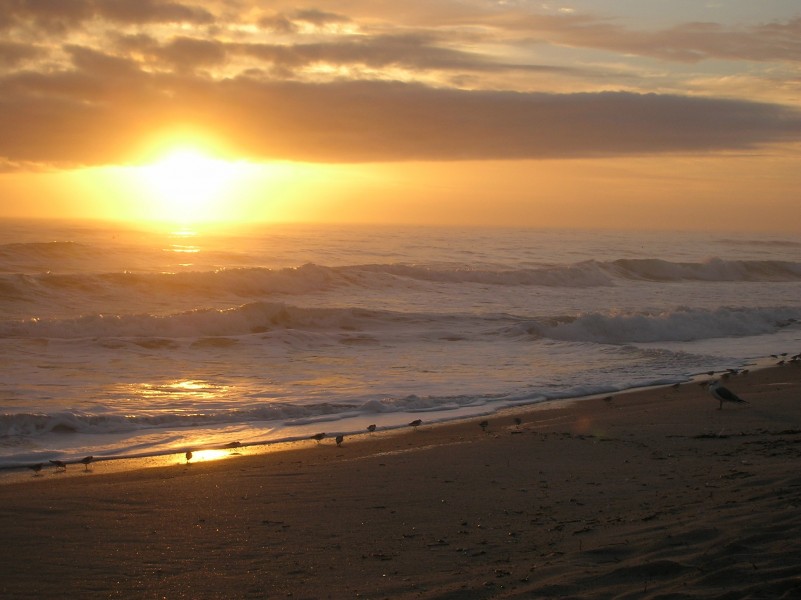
{"points": [[653, 494]]}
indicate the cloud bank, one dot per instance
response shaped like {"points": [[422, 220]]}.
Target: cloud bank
{"points": [[82, 82]]}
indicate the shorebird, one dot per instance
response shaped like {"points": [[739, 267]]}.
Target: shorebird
{"points": [[518, 421], [317, 437], [233, 444], [371, 428], [723, 394], [188, 456], [36, 468], [416, 423], [340, 439], [59, 464], [86, 460], [484, 425]]}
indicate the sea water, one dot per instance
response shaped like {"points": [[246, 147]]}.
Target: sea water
{"points": [[124, 341]]}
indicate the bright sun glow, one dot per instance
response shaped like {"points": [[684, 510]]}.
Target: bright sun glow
{"points": [[189, 186]]}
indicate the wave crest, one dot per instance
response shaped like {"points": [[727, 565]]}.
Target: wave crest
{"points": [[681, 325], [258, 283]]}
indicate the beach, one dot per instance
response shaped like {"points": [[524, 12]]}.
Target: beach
{"points": [[648, 494]]}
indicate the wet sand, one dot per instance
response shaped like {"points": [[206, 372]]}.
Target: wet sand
{"points": [[650, 494]]}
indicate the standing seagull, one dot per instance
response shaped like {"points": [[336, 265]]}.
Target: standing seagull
{"points": [[724, 394]]}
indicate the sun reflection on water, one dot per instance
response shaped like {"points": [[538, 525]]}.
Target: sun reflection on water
{"points": [[181, 243], [196, 389]]}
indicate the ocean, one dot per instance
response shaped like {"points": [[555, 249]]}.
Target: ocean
{"points": [[120, 341]]}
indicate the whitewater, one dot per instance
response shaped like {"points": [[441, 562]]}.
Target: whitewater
{"points": [[122, 341]]}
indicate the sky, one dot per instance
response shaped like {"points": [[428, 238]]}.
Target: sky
{"points": [[618, 114]]}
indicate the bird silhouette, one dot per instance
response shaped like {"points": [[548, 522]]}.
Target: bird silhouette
{"points": [[86, 460], [188, 456], [723, 394], [59, 464], [36, 468], [484, 425], [371, 428], [518, 421], [340, 439], [317, 437], [233, 446], [416, 423]]}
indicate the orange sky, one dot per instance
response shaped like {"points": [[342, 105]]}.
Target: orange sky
{"points": [[584, 114]]}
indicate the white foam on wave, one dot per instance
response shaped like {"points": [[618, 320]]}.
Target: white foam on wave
{"points": [[683, 324], [216, 328], [258, 282], [713, 269]]}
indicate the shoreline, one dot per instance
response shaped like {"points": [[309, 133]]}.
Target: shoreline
{"points": [[203, 453], [652, 493]]}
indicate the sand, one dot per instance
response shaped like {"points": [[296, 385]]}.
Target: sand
{"points": [[652, 494]]}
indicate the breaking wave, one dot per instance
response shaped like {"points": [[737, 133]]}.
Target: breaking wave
{"points": [[212, 328], [258, 283]]}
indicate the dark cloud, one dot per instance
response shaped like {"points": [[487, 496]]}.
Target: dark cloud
{"points": [[278, 24], [100, 65], [82, 117], [12, 54], [184, 53], [320, 18], [369, 121], [60, 15], [151, 11], [49, 15]]}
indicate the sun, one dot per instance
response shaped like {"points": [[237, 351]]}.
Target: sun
{"points": [[189, 186]]}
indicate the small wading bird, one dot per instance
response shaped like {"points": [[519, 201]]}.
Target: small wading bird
{"points": [[233, 446], [724, 394], [484, 425], [36, 468], [86, 460], [188, 456], [317, 437], [340, 439], [59, 464], [416, 423], [371, 428]]}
